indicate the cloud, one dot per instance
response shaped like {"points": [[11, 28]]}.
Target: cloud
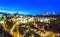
{"points": [[1, 7], [6, 11], [11, 12]]}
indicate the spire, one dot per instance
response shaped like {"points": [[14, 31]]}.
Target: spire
{"points": [[17, 12], [45, 13], [53, 13]]}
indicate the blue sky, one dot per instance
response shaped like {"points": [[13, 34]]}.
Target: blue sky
{"points": [[30, 7]]}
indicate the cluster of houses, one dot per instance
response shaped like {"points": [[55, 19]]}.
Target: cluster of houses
{"points": [[24, 18]]}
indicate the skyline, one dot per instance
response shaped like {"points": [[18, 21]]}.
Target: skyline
{"points": [[30, 7]]}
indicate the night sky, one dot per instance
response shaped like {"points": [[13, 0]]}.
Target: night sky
{"points": [[30, 7]]}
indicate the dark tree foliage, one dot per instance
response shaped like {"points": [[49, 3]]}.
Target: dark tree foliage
{"points": [[55, 25]]}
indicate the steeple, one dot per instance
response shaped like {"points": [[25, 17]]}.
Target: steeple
{"points": [[53, 13], [17, 13], [45, 13]]}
